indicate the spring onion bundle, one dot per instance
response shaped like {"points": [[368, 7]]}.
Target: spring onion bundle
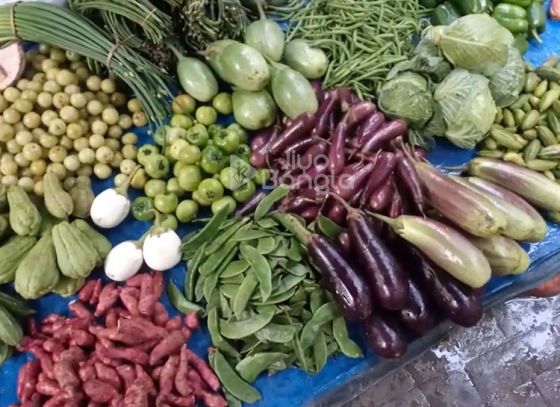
{"points": [[60, 27], [362, 38]]}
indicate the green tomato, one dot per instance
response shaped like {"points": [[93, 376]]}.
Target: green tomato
{"points": [[200, 200], [243, 136], [186, 211], [244, 152], [174, 134], [183, 104], [145, 152], [225, 202], [214, 130], [213, 160], [168, 221], [190, 154], [166, 202], [154, 187], [210, 190], [174, 187], [206, 115], [189, 178], [157, 166], [222, 103], [262, 176], [182, 121], [176, 148], [143, 209], [198, 135], [160, 136], [245, 192], [227, 141], [229, 179]]}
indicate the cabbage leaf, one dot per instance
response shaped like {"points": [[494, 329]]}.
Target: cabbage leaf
{"points": [[476, 42]]}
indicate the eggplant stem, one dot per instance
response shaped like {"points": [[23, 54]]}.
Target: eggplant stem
{"points": [[338, 198], [175, 51], [386, 219], [291, 223]]}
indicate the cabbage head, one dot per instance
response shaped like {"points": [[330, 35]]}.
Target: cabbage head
{"points": [[407, 96], [506, 84], [467, 106], [476, 42]]}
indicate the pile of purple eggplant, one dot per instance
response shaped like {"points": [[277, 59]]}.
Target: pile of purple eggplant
{"points": [[407, 246]]}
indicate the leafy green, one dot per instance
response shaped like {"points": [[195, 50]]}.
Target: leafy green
{"points": [[467, 107], [507, 83], [476, 42]]}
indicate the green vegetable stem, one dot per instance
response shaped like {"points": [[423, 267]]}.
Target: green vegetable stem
{"points": [[472, 6]]}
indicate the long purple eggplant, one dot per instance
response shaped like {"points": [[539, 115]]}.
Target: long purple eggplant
{"points": [[418, 315], [387, 132], [259, 155], [357, 114], [324, 114], [249, 207], [386, 277], [406, 173], [368, 128], [384, 165], [380, 199], [385, 336], [349, 290], [297, 129], [313, 154], [352, 179], [458, 302]]}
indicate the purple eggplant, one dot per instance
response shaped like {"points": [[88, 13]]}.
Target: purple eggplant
{"points": [[368, 128], [408, 177], [324, 114], [418, 314], [380, 199], [297, 129], [396, 208], [299, 146], [386, 277], [311, 213], [337, 213], [384, 166], [350, 291], [385, 336], [343, 240], [313, 154], [356, 115], [458, 302], [387, 132], [259, 155], [349, 184]]}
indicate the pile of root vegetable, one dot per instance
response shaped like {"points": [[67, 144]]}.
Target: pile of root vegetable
{"points": [[119, 348]]}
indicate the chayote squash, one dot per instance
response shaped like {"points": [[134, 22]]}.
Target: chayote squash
{"points": [[10, 330], [68, 286], [11, 254], [82, 197], [101, 244], [57, 200], [3, 197], [25, 218], [4, 227], [38, 272], [75, 254]]}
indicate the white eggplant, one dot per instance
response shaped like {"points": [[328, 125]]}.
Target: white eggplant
{"points": [[162, 249], [124, 261]]}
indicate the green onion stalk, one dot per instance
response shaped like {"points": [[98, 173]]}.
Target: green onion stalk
{"points": [[363, 39], [66, 29]]}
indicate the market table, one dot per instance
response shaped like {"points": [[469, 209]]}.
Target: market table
{"points": [[343, 378]]}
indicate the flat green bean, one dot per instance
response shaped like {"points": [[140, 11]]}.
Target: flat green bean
{"points": [[245, 327], [264, 206], [180, 302], [217, 339], [252, 366], [347, 345], [324, 314], [232, 382], [192, 272], [244, 293], [320, 352], [260, 267], [277, 333], [206, 234], [235, 268]]}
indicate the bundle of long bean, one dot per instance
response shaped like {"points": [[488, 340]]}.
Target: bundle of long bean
{"points": [[153, 22], [363, 38], [58, 26]]}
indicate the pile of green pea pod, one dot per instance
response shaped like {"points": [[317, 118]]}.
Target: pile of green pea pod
{"points": [[528, 131], [265, 307]]}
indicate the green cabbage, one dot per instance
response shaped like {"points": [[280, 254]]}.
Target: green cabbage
{"points": [[507, 84], [467, 106], [476, 42], [407, 96]]}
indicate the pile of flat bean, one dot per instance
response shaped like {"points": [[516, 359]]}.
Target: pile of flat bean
{"points": [[266, 310], [528, 132]]}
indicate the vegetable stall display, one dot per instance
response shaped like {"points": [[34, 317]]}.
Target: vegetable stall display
{"points": [[360, 247]]}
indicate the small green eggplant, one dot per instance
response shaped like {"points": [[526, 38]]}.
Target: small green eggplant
{"points": [[253, 110], [310, 61]]}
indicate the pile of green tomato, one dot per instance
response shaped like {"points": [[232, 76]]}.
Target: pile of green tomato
{"points": [[191, 165]]}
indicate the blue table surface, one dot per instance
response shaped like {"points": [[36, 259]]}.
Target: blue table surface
{"points": [[293, 387]]}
